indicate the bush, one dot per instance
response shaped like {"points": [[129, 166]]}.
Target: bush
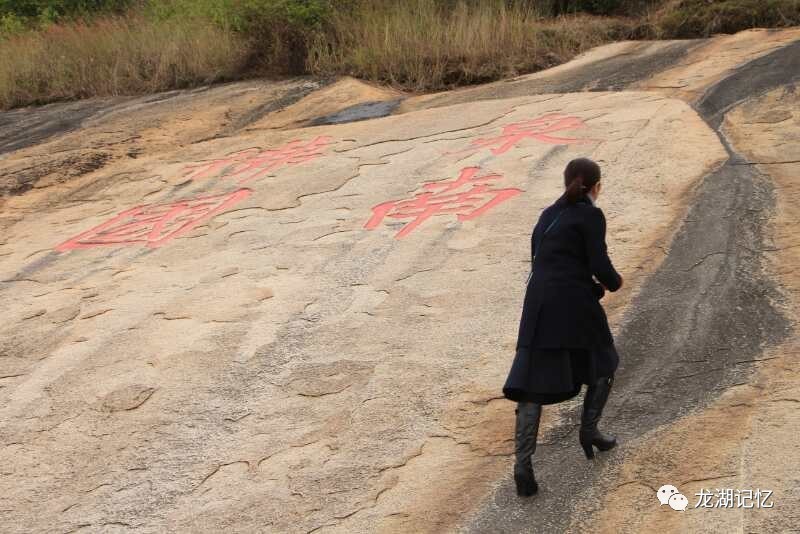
{"points": [[280, 30], [11, 24], [421, 45], [115, 56], [595, 7], [276, 30], [59, 49], [702, 18], [53, 10]]}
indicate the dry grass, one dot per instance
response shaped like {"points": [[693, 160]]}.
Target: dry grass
{"points": [[702, 18], [418, 45], [114, 56]]}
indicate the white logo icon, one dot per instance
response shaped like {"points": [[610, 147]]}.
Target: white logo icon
{"points": [[665, 492], [668, 494], [678, 502]]}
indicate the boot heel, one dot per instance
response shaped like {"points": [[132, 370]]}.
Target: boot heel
{"points": [[593, 403], [526, 484], [606, 445]]}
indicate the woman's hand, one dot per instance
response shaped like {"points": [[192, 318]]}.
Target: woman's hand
{"points": [[599, 290], [621, 283]]}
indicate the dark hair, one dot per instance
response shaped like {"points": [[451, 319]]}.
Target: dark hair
{"points": [[579, 177]]}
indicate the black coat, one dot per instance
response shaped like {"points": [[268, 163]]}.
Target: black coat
{"points": [[562, 308], [564, 339]]}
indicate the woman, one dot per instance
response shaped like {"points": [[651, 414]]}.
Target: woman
{"points": [[564, 340]]}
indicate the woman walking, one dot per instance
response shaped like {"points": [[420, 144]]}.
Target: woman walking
{"points": [[564, 339]]}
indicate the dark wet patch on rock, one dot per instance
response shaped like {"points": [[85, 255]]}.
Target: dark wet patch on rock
{"points": [[781, 67], [40, 124], [359, 112], [57, 170], [609, 74], [257, 113]]}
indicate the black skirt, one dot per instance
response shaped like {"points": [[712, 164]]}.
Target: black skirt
{"points": [[548, 376]]}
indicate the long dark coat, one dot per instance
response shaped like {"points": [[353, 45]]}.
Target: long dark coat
{"points": [[563, 334]]}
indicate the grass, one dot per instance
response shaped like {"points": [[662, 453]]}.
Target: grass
{"points": [[112, 56], [420, 45], [702, 18]]}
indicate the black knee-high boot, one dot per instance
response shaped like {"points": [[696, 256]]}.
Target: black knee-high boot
{"points": [[593, 403], [527, 429]]}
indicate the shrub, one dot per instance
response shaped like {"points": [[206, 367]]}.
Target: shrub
{"points": [[595, 7], [114, 56], [11, 24], [701, 18], [276, 30], [53, 10], [421, 45], [59, 49]]}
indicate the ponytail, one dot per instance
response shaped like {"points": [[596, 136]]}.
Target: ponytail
{"points": [[575, 190], [579, 177]]}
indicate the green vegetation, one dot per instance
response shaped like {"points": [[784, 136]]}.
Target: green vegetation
{"points": [[64, 49], [16, 16], [112, 56], [422, 45], [693, 18]]}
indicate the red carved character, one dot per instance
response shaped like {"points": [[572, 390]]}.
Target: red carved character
{"points": [[539, 129], [441, 197], [154, 225], [253, 163]]}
